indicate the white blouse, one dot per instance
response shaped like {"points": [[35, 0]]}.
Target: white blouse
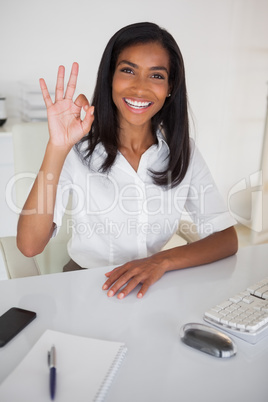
{"points": [[122, 215]]}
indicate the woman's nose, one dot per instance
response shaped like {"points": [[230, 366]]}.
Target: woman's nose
{"points": [[140, 84]]}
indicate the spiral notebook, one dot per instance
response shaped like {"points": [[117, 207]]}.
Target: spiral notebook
{"points": [[85, 370]]}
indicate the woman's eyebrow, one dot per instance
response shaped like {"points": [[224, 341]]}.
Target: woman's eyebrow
{"points": [[162, 68], [129, 63], [154, 68]]}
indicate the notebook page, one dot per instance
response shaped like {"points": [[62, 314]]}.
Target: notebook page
{"points": [[85, 369]]}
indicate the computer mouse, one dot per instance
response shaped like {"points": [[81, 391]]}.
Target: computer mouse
{"points": [[208, 340]]}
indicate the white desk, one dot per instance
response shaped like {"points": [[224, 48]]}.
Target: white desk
{"points": [[158, 366]]}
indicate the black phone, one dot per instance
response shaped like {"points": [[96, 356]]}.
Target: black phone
{"points": [[12, 322]]}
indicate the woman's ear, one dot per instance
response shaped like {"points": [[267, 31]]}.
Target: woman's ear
{"points": [[169, 92]]}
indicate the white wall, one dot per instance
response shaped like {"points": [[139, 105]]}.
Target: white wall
{"points": [[225, 48]]}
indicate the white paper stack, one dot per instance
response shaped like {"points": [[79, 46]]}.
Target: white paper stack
{"points": [[32, 105]]}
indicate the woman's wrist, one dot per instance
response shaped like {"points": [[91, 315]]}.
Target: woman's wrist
{"points": [[59, 149], [165, 260]]}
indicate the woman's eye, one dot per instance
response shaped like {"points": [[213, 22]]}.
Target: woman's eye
{"points": [[158, 76], [127, 70]]}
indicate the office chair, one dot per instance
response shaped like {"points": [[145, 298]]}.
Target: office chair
{"points": [[29, 143], [185, 234], [16, 264], [259, 217]]}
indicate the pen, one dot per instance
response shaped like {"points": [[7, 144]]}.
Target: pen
{"points": [[52, 371]]}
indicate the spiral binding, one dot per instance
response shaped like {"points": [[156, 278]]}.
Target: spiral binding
{"points": [[111, 374]]}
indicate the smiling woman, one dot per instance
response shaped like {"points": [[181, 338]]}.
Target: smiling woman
{"points": [[156, 46], [140, 88], [132, 160]]}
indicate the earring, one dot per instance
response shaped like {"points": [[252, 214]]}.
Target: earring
{"points": [[169, 95]]}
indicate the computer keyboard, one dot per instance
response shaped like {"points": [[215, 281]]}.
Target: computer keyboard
{"points": [[244, 315]]}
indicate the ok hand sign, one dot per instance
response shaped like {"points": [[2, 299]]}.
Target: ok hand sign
{"points": [[64, 115]]}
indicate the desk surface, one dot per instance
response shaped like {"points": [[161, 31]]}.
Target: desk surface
{"points": [[158, 366]]}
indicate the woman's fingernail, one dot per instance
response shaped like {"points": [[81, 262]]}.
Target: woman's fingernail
{"points": [[110, 293], [139, 295], [105, 287], [121, 295]]}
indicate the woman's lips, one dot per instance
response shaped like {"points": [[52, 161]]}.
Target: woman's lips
{"points": [[137, 105]]}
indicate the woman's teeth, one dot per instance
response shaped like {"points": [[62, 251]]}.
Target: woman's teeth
{"points": [[136, 104]]}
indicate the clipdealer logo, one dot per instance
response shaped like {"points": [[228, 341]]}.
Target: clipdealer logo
{"points": [[245, 201], [131, 199]]}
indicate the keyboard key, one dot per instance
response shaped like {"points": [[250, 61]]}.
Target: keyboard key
{"points": [[240, 296], [225, 304], [248, 299], [261, 291], [214, 315], [217, 309], [231, 308], [254, 326], [232, 322], [252, 289], [224, 320]]}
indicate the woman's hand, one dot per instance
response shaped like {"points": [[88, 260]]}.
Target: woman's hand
{"points": [[64, 115], [148, 270], [145, 271]]}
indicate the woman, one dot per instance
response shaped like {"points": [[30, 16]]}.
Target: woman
{"points": [[131, 167]]}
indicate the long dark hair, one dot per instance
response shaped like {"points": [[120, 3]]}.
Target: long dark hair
{"points": [[172, 118]]}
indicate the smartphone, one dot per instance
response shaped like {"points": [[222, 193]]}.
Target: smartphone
{"points": [[12, 322]]}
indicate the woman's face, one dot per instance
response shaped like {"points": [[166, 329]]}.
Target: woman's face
{"points": [[140, 83]]}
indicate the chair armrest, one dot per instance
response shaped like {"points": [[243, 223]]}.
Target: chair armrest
{"points": [[188, 231], [16, 264]]}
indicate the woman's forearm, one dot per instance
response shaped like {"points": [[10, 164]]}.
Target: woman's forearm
{"points": [[35, 225], [212, 248]]}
